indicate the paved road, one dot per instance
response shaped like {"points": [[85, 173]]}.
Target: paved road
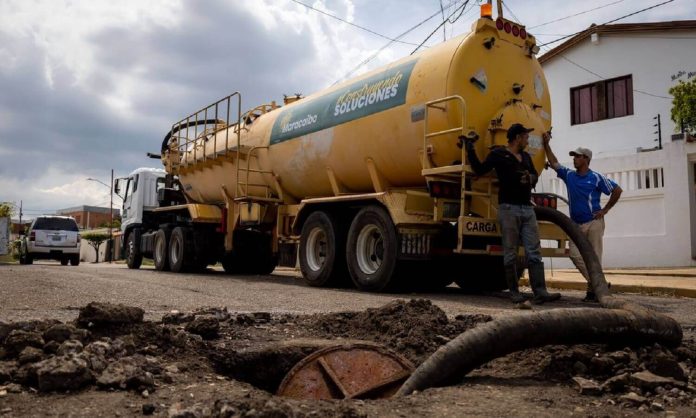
{"points": [[49, 290]]}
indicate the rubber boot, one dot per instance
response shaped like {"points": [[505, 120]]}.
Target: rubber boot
{"points": [[538, 283], [512, 282]]}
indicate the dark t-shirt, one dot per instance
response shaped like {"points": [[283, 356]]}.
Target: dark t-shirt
{"points": [[517, 178]]}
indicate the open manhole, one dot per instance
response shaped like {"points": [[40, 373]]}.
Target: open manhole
{"points": [[352, 371], [318, 369]]}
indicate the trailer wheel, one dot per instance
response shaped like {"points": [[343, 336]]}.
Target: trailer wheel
{"points": [[180, 250], [372, 249], [322, 251], [133, 256], [75, 260], [64, 261], [161, 251]]}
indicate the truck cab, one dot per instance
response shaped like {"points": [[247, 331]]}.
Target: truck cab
{"points": [[139, 192]]}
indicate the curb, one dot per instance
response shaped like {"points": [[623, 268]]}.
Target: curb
{"points": [[620, 288]]}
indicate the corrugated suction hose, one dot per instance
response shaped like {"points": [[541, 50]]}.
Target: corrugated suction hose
{"points": [[620, 322]]}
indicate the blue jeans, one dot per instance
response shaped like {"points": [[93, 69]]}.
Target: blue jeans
{"points": [[519, 223]]}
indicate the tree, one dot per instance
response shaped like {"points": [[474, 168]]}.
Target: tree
{"points": [[6, 209], [95, 239], [684, 105]]}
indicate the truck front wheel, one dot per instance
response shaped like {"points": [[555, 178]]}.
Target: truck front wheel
{"points": [[322, 251], [134, 257], [372, 249]]}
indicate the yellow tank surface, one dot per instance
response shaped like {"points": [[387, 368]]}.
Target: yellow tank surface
{"points": [[329, 141]]}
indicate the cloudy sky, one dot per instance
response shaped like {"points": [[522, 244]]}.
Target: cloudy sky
{"points": [[91, 85]]}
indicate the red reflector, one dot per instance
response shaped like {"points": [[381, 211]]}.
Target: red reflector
{"points": [[546, 202], [508, 27], [436, 188], [499, 24], [515, 30], [523, 33], [494, 248]]}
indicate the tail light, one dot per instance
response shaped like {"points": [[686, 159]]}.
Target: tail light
{"points": [[444, 189], [32, 236], [545, 200], [78, 238], [508, 27]]}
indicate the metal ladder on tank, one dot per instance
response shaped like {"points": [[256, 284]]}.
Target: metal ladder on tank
{"points": [[457, 172], [273, 193]]}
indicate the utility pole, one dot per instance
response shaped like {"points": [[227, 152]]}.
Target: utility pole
{"points": [[658, 132], [111, 218], [20, 214]]}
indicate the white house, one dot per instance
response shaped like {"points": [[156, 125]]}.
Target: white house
{"points": [[608, 85]]}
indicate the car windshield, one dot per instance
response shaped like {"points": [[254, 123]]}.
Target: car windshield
{"points": [[55, 224]]}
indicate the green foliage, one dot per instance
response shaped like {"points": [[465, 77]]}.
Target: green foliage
{"points": [[684, 105], [95, 239], [15, 247], [6, 209], [116, 224]]}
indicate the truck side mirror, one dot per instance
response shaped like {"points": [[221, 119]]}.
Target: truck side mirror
{"points": [[117, 186]]}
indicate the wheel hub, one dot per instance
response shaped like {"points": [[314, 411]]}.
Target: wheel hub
{"points": [[370, 249]]}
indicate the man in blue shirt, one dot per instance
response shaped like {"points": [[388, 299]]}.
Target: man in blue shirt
{"points": [[584, 190]]}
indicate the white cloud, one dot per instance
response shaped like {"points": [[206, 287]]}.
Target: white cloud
{"points": [[93, 84]]}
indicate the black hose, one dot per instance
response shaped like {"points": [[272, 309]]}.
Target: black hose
{"points": [[179, 127]]}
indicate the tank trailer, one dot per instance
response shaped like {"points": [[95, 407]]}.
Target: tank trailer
{"points": [[365, 182]]}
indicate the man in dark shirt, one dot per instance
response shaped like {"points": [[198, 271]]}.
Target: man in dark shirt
{"points": [[516, 176]]}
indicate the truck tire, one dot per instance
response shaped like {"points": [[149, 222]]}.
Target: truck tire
{"points": [[75, 260], [372, 249], [180, 250], [322, 251], [64, 261], [160, 253], [134, 257]]}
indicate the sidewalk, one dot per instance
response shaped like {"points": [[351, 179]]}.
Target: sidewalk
{"points": [[673, 282]]}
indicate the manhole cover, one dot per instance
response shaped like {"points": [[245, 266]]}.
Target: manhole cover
{"points": [[353, 371]]}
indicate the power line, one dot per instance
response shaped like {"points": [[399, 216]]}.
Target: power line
{"points": [[606, 23], [576, 14], [350, 23], [511, 12], [444, 30], [440, 25], [371, 57]]}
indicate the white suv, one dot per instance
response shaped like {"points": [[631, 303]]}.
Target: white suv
{"points": [[51, 237]]}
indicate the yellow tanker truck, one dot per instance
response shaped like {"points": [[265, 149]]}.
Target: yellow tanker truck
{"points": [[366, 181]]}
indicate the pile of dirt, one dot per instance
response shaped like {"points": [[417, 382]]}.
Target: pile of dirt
{"points": [[414, 328], [111, 348]]}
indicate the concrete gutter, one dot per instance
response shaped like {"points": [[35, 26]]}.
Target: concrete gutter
{"points": [[674, 282]]}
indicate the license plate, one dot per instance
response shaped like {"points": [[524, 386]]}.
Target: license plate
{"points": [[56, 238]]}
